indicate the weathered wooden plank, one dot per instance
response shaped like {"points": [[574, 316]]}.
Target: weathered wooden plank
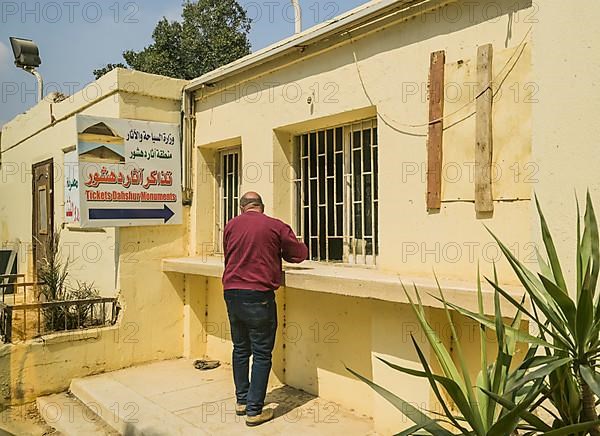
{"points": [[436, 130], [484, 201]]}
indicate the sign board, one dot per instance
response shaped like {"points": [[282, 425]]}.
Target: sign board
{"points": [[129, 172], [72, 203]]}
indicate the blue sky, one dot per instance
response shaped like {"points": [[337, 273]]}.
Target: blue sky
{"points": [[77, 36]]}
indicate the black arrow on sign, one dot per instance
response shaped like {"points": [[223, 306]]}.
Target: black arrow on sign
{"points": [[131, 214]]}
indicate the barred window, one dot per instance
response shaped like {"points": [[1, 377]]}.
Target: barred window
{"points": [[337, 207], [229, 180]]}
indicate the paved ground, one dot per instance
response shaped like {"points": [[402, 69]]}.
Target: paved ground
{"points": [[172, 397]]}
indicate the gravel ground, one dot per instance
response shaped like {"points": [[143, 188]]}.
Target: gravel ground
{"points": [[24, 420]]}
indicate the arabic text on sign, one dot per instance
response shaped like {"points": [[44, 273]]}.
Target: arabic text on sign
{"points": [[134, 178], [154, 153], [136, 135]]}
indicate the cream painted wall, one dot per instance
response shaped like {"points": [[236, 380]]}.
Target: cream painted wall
{"points": [[320, 334], [169, 315], [150, 326], [88, 252], [397, 348], [32, 138], [253, 109], [566, 67], [123, 262], [394, 65]]}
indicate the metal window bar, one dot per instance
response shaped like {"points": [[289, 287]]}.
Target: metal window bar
{"points": [[317, 180], [229, 181], [363, 198], [337, 192]]}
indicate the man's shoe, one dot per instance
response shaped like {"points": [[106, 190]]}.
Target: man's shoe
{"points": [[240, 409], [266, 415]]}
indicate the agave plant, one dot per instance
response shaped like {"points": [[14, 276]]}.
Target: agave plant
{"points": [[559, 367], [571, 323], [485, 406]]}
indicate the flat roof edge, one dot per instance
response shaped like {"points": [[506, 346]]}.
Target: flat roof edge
{"points": [[47, 113]]}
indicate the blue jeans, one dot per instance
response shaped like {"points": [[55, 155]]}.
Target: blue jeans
{"points": [[253, 320]]}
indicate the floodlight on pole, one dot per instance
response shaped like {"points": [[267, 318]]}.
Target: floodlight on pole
{"points": [[27, 57]]}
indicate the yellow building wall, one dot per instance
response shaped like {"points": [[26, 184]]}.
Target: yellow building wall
{"points": [[31, 138], [551, 124], [322, 334], [566, 67], [264, 109], [319, 335], [390, 81], [120, 262], [150, 325]]}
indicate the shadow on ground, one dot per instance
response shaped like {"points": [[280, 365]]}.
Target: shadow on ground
{"points": [[287, 399]]}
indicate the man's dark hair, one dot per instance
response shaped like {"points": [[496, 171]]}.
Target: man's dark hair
{"points": [[251, 198]]}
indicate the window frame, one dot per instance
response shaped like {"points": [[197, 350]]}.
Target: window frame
{"points": [[221, 195], [352, 253]]}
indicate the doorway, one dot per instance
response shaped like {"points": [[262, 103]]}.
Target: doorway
{"points": [[43, 210]]}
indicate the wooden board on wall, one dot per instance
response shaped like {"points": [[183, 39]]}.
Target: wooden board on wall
{"points": [[512, 170], [484, 202], [436, 130]]}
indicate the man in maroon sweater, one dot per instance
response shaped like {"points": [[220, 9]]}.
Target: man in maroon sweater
{"points": [[254, 245]]}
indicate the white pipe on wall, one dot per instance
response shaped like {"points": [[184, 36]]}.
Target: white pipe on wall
{"points": [[297, 16]]}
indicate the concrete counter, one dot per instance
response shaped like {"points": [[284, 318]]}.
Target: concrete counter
{"points": [[356, 281]]}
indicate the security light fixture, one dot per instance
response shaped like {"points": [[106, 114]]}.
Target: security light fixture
{"points": [[27, 57]]}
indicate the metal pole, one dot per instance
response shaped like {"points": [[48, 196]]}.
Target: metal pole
{"points": [[187, 141], [297, 16], [40, 81]]}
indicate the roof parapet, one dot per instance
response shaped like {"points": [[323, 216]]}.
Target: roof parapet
{"points": [[353, 19]]}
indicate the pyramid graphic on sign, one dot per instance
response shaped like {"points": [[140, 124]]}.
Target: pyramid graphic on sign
{"points": [[99, 143]]}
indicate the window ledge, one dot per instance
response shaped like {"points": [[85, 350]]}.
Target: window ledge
{"points": [[200, 266], [359, 282]]}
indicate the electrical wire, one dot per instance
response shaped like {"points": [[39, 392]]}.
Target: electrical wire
{"points": [[399, 127]]}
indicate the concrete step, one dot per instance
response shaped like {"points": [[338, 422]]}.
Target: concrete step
{"points": [[172, 398], [70, 417], [126, 411]]}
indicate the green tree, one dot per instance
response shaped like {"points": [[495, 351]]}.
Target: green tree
{"points": [[212, 33], [108, 68]]}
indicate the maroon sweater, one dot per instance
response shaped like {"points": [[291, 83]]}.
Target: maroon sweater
{"points": [[254, 244]]}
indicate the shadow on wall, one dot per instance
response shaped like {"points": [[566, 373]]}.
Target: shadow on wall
{"points": [[317, 334]]}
